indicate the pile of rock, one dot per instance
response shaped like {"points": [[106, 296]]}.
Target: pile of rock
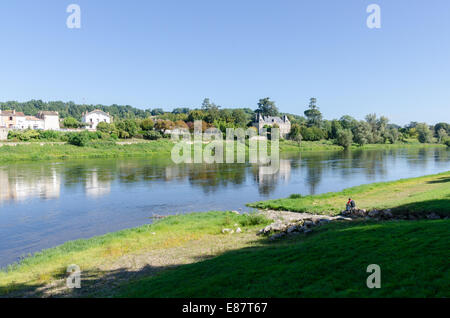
{"points": [[388, 215], [304, 224]]}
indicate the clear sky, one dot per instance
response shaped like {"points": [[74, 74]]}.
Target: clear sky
{"points": [[170, 54]]}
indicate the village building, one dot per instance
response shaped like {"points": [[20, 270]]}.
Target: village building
{"points": [[8, 118], [50, 119], [93, 118], [283, 124], [45, 120]]}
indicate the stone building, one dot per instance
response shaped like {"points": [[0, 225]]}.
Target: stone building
{"points": [[264, 121]]}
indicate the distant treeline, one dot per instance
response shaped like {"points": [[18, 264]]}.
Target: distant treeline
{"points": [[132, 122]]}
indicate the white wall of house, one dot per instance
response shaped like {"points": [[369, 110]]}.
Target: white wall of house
{"points": [[51, 122], [94, 118]]}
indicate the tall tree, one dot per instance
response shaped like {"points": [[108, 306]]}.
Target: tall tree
{"points": [[313, 113], [266, 107]]}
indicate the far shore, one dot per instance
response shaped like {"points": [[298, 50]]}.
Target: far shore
{"points": [[11, 151]]}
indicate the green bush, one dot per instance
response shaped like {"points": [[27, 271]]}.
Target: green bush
{"points": [[152, 135], [79, 139], [23, 135]]}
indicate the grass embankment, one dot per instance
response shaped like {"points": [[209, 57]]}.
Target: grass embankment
{"points": [[332, 262], [94, 150], [100, 254], [55, 151], [416, 196]]}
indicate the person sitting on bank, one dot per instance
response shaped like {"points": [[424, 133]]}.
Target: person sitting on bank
{"points": [[350, 204]]}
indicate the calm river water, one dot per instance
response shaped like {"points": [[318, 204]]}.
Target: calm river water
{"points": [[44, 204]]}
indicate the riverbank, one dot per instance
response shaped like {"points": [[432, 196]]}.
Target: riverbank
{"points": [[219, 254], [415, 196], [13, 152]]}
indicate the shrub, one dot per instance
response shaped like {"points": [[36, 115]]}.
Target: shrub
{"points": [[295, 196], [252, 219], [344, 138], [78, 139], [152, 135]]}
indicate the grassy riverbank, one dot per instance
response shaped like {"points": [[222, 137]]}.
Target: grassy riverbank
{"points": [[35, 151], [56, 151], [102, 254], [413, 257], [416, 196]]}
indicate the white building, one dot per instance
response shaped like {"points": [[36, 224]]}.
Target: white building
{"points": [[93, 118], [17, 120], [51, 120]]}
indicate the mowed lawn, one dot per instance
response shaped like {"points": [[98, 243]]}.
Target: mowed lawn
{"points": [[331, 262], [416, 195]]}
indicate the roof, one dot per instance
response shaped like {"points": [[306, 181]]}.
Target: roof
{"points": [[97, 111], [48, 113], [32, 118], [273, 119], [11, 113]]}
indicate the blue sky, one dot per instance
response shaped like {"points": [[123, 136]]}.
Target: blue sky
{"points": [[174, 53]]}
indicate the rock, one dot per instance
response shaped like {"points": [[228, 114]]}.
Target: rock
{"points": [[278, 226], [308, 223], [306, 231], [373, 213], [324, 221], [387, 213], [229, 231], [238, 230], [267, 229], [433, 216], [235, 212], [341, 218], [277, 236], [292, 228]]}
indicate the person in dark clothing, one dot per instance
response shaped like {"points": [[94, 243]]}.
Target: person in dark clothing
{"points": [[350, 204]]}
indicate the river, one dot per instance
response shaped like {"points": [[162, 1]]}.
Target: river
{"points": [[43, 204]]}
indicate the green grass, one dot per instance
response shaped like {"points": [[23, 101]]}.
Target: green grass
{"points": [[413, 256], [415, 195], [163, 147], [50, 264], [94, 150]]}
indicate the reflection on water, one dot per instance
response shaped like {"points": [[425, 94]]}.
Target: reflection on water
{"points": [[44, 204]]}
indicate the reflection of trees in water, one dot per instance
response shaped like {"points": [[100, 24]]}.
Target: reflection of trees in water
{"points": [[22, 181]]}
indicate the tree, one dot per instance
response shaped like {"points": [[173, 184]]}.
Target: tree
{"points": [[313, 114], [157, 111], [424, 133], [344, 138], [70, 122], [392, 135], [362, 133], [195, 115], [163, 125], [295, 133], [147, 124], [266, 107], [442, 135], [239, 117]]}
